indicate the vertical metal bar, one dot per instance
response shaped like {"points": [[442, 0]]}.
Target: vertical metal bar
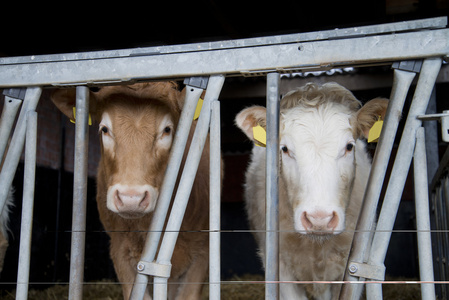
{"points": [[79, 194], [362, 236], [27, 207], [10, 108], [16, 146], [426, 82], [215, 193], [185, 184], [171, 174], [443, 213], [423, 217], [272, 181], [431, 129], [437, 196]]}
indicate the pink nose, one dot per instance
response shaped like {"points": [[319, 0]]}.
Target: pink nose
{"points": [[319, 221], [129, 201]]}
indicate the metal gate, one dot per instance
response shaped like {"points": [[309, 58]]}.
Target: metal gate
{"points": [[413, 49]]}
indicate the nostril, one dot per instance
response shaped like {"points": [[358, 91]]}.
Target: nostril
{"points": [[306, 222], [118, 200], [145, 200], [333, 221]]}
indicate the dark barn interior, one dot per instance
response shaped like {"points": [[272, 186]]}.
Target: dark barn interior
{"points": [[77, 28]]}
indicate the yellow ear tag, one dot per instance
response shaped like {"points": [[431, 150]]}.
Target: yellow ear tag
{"points": [[374, 132], [198, 109], [260, 136], [74, 116]]}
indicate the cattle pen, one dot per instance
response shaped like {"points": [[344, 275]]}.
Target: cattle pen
{"points": [[412, 49]]}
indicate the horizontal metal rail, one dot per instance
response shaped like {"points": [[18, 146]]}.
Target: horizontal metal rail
{"points": [[432, 23], [258, 59]]}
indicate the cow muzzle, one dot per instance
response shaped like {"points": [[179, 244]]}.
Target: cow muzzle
{"points": [[131, 202], [319, 222]]}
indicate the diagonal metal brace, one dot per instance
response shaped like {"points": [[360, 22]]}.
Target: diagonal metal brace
{"points": [[154, 269], [367, 271]]}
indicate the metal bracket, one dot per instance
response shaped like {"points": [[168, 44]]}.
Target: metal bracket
{"points": [[16, 93], [408, 65], [367, 271], [154, 269], [444, 120], [198, 82]]}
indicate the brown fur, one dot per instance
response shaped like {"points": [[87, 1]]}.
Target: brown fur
{"points": [[135, 112]]}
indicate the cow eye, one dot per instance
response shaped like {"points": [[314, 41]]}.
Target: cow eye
{"points": [[104, 129], [284, 149], [349, 147], [167, 129]]}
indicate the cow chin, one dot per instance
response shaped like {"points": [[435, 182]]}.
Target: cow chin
{"points": [[131, 215]]}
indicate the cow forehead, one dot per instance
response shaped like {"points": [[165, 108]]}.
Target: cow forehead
{"points": [[318, 129], [135, 112]]}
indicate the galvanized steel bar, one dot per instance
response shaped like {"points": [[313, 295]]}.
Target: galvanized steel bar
{"points": [[431, 23], [185, 184], [442, 208], [423, 217], [272, 189], [431, 130], [17, 142], [9, 113], [215, 203], [362, 237], [164, 199], [387, 216], [259, 59], [79, 194], [27, 207]]}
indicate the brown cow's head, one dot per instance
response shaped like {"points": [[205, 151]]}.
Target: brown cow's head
{"points": [[136, 128]]}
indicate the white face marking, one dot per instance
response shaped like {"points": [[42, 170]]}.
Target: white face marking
{"points": [[165, 133], [106, 131], [317, 167]]}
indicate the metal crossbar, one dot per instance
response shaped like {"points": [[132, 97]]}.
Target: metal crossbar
{"points": [[424, 40]]}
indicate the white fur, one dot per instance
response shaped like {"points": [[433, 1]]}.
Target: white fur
{"points": [[165, 139], [107, 138], [311, 180]]}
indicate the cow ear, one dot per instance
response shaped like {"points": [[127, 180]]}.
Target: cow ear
{"points": [[368, 115], [65, 101], [251, 117]]}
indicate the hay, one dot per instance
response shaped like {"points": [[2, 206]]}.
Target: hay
{"points": [[100, 290], [245, 287]]}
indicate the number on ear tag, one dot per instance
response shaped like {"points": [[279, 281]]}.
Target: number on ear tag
{"points": [[374, 132], [260, 136]]}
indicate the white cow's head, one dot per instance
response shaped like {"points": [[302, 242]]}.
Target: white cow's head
{"points": [[319, 129], [136, 125]]}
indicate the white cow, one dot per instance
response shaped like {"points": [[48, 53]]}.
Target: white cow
{"points": [[324, 167]]}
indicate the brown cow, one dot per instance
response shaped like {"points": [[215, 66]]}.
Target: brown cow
{"points": [[136, 128], [4, 220]]}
